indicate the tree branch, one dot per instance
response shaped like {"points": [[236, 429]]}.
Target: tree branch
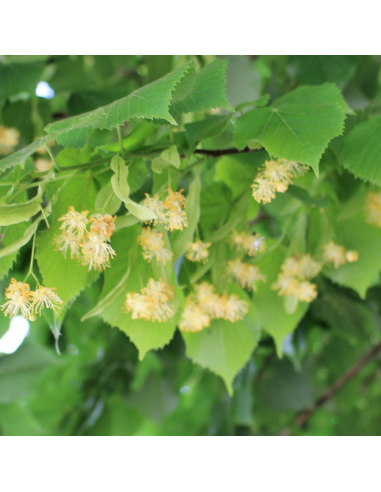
{"points": [[218, 153], [302, 418]]}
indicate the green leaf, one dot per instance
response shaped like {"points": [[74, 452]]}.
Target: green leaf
{"points": [[206, 128], [127, 220], [362, 151], [346, 317], [146, 335], [225, 347], [21, 156], [239, 171], [270, 305], [169, 157], [109, 298], [151, 101], [201, 91], [122, 190], [72, 157], [21, 370], [317, 69], [17, 78], [192, 209], [137, 175], [74, 139], [67, 275], [259, 103], [20, 212], [356, 235], [107, 202], [298, 126], [134, 140], [15, 246], [237, 218], [9, 236]]}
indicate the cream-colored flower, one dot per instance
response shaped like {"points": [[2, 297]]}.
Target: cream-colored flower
{"points": [[152, 243], [263, 190], [308, 268], [293, 168], [158, 290], [291, 266], [176, 220], [333, 253], [193, 318], [138, 305], [276, 172], [235, 308], [351, 256], [281, 187], [198, 251], [104, 225], [74, 222], [247, 275], [9, 138], [151, 240], [287, 285], [156, 206], [373, 208], [253, 244], [175, 200], [153, 304], [19, 296], [44, 297], [307, 292], [209, 300], [43, 164], [67, 240], [250, 243], [96, 253], [275, 176]]}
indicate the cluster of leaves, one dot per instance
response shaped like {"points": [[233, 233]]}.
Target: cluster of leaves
{"points": [[205, 125]]}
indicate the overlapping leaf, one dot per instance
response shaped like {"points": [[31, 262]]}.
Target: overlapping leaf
{"points": [[225, 347], [298, 126], [270, 306], [150, 101], [362, 151], [67, 275]]}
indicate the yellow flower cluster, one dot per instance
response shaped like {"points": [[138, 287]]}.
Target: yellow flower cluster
{"points": [[244, 273], [251, 244], [275, 177], [373, 208], [198, 251], [205, 304], [170, 211], [89, 246], [152, 303], [336, 255], [294, 276], [9, 138], [22, 299], [152, 243]]}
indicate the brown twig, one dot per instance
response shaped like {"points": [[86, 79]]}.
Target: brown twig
{"points": [[303, 417], [218, 153]]}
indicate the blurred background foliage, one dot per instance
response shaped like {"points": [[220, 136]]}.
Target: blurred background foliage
{"points": [[97, 386]]}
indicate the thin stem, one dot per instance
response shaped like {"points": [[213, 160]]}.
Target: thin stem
{"points": [[52, 158], [46, 220], [30, 271], [120, 139]]}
